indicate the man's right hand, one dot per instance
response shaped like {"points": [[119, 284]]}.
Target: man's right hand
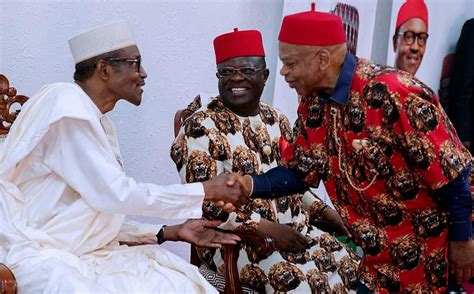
{"points": [[285, 237], [225, 191], [245, 181]]}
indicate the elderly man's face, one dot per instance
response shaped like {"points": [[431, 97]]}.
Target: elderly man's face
{"points": [[299, 68], [241, 83], [408, 56], [127, 82]]}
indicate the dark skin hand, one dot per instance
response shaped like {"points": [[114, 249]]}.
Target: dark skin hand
{"points": [[245, 182], [225, 192], [285, 237], [201, 233], [331, 221], [461, 259]]}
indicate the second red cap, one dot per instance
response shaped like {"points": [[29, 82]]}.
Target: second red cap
{"points": [[237, 44], [312, 28]]}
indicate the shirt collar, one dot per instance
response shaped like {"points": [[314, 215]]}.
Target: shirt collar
{"points": [[94, 107], [343, 85]]}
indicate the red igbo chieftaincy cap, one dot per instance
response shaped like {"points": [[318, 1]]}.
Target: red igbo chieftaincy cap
{"points": [[312, 28], [237, 44], [412, 9]]}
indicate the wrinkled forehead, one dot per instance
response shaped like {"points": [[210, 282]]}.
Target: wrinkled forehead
{"points": [[242, 61], [287, 51]]}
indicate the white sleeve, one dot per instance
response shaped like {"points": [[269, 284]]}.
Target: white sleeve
{"points": [[74, 153], [138, 232]]}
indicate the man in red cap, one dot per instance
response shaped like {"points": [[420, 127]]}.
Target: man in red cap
{"points": [[237, 132], [411, 35], [388, 155]]}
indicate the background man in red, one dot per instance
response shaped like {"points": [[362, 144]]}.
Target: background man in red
{"points": [[411, 35]]}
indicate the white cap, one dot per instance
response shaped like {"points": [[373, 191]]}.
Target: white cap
{"points": [[101, 40]]}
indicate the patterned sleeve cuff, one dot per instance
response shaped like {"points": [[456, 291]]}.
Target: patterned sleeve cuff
{"points": [[261, 184], [277, 182], [309, 199], [241, 222]]}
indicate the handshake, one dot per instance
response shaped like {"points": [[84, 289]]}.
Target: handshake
{"points": [[228, 191]]}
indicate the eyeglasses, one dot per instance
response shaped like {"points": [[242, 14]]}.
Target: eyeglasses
{"points": [[136, 62], [247, 72], [410, 37]]}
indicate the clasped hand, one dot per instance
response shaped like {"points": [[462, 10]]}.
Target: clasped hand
{"points": [[228, 191]]}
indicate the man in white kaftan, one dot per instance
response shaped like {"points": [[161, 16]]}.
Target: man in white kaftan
{"points": [[64, 194]]}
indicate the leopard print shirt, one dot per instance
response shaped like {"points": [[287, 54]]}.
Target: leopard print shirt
{"points": [[394, 129], [214, 140]]}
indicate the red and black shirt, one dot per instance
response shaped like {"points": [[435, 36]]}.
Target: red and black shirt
{"points": [[385, 149]]}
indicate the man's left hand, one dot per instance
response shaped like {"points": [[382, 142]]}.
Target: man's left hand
{"points": [[461, 259], [332, 219], [245, 181], [202, 233]]}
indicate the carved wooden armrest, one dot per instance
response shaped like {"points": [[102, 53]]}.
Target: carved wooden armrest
{"points": [[8, 101], [262, 244], [7, 280]]}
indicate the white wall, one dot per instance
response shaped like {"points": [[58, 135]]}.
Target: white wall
{"points": [[445, 22], [175, 39]]}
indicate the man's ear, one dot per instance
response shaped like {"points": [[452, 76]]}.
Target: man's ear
{"points": [[266, 73], [102, 69], [323, 58]]}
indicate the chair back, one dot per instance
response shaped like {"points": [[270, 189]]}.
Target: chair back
{"points": [[10, 106]]}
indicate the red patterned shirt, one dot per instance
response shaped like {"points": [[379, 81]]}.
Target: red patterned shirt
{"points": [[382, 151]]}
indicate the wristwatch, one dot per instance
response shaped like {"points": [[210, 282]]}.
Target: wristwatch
{"points": [[160, 235]]}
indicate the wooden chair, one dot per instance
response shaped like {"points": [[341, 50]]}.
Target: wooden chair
{"points": [[263, 244], [9, 100], [10, 104]]}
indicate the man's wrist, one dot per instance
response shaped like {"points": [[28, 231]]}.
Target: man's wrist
{"points": [[171, 233], [160, 237], [263, 226], [208, 195]]}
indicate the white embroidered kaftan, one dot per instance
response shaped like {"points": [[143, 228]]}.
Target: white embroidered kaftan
{"points": [[63, 200]]}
